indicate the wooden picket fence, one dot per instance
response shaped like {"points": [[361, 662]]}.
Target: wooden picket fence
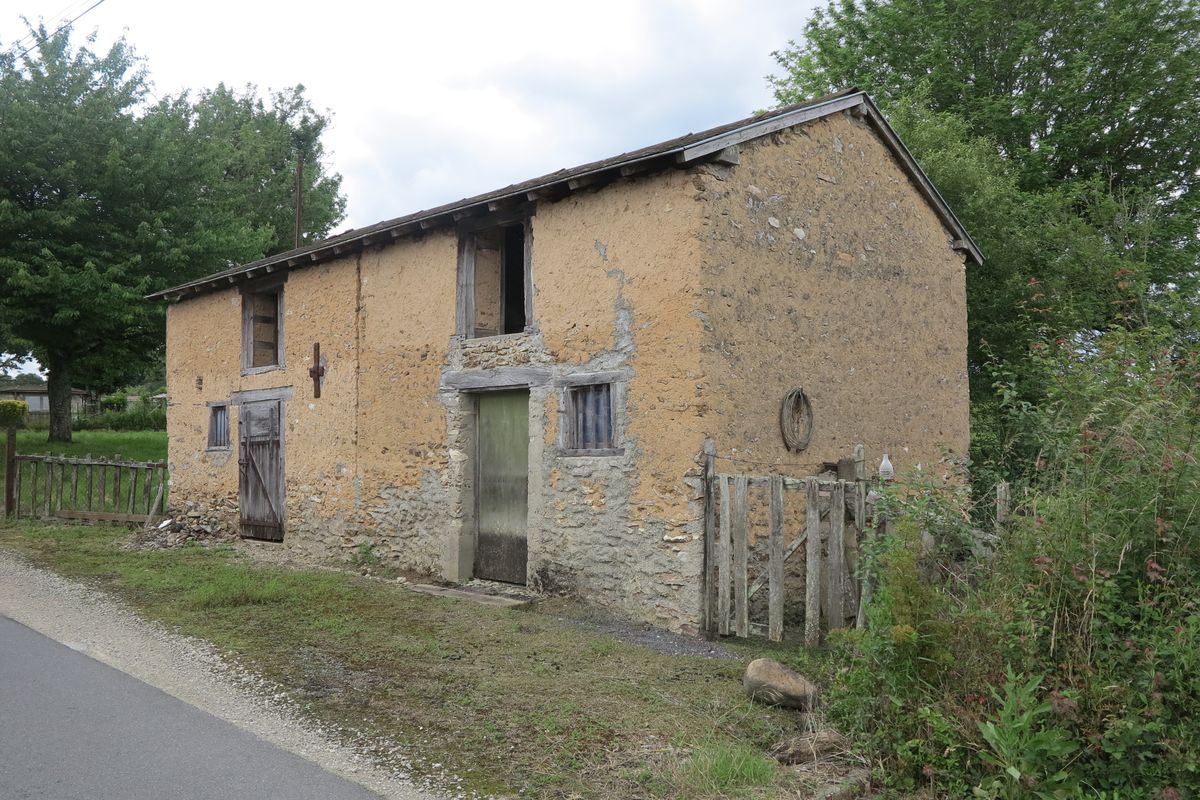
{"points": [[88, 488], [838, 518]]}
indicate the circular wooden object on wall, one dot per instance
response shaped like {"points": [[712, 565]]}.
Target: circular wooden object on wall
{"points": [[796, 420]]}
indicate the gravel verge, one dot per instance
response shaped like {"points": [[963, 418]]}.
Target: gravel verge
{"points": [[192, 670]]}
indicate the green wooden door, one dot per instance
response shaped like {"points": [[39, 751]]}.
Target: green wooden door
{"points": [[502, 486]]}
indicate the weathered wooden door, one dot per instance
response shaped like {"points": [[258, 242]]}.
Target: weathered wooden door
{"points": [[502, 486], [260, 460]]}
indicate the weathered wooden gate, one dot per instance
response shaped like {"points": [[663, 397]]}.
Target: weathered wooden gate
{"points": [[260, 462], [837, 517], [502, 486], [101, 490]]}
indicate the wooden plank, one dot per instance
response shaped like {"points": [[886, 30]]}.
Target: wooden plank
{"points": [[133, 476], [860, 463], [498, 378], [1002, 502], [116, 495], [866, 589], [99, 516], [62, 483], [812, 567], [788, 483], [49, 493], [724, 561], [856, 564], [741, 548], [103, 486], [775, 564], [75, 485], [16, 488], [147, 477], [761, 580], [464, 308], [164, 482], [91, 469], [836, 557], [710, 535], [33, 482]]}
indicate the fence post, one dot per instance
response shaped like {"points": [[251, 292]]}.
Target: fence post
{"points": [[1002, 501], [835, 560], [724, 561], [710, 533], [10, 472], [812, 566], [741, 547], [775, 563]]}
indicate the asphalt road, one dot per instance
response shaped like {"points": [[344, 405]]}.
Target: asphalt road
{"points": [[71, 727]]}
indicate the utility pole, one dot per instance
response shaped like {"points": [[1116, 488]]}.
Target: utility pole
{"points": [[299, 195]]}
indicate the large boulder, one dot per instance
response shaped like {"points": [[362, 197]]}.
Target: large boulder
{"points": [[770, 682]]}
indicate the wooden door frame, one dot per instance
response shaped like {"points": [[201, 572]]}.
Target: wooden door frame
{"points": [[281, 396], [458, 564], [475, 467]]}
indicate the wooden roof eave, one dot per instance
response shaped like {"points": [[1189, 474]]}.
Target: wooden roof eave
{"points": [[720, 146]]}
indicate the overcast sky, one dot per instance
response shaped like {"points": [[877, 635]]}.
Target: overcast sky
{"points": [[435, 101]]}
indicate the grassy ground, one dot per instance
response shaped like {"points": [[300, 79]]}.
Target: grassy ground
{"points": [[506, 699], [130, 445]]}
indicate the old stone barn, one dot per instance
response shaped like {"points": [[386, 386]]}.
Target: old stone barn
{"points": [[518, 386]]}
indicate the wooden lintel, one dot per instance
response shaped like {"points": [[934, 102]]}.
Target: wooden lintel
{"points": [[730, 155]]}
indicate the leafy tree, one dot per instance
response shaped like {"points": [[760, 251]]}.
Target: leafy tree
{"points": [[1065, 88], [1064, 133], [104, 199]]}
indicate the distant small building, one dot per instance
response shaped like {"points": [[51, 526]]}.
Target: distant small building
{"points": [[37, 397]]}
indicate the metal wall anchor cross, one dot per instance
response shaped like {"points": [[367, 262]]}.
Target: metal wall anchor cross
{"points": [[317, 370]]}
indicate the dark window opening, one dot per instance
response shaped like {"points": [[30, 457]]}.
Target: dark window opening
{"points": [[499, 278], [590, 418], [218, 427], [261, 329]]}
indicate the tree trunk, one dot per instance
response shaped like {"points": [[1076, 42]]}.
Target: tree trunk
{"points": [[58, 384]]}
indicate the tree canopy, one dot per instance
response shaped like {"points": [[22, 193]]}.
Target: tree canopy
{"points": [[106, 197], [1065, 135]]}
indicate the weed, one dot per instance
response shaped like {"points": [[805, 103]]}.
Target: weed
{"points": [[365, 556], [722, 768]]}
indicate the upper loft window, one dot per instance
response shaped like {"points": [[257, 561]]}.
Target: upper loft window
{"points": [[494, 297], [262, 329]]}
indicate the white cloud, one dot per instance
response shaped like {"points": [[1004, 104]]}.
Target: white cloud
{"points": [[436, 101]]}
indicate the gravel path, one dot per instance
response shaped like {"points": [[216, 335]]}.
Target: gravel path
{"points": [[192, 670]]}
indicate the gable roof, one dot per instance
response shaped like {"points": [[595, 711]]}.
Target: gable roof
{"points": [[679, 152]]}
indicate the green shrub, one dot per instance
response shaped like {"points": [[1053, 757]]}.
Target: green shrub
{"points": [[12, 414], [1092, 593], [142, 417]]}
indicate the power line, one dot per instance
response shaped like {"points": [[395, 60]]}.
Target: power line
{"points": [[60, 28], [59, 15]]}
